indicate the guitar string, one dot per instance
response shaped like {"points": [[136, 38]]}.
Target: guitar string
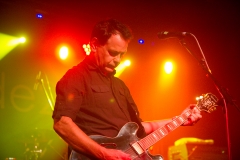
{"points": [[162, 132]]}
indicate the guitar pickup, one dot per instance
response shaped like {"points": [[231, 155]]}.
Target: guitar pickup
{"points": [[109, 145]]}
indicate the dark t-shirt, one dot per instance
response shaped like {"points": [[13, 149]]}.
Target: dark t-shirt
{"points": [[98, 104]]}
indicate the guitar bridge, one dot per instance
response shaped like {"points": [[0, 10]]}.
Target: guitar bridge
{"points": [[137, 147]]}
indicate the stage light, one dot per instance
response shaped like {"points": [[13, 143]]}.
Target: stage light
{"points": [[167, 74], [39, 15], [63, 52], [8, 43], [87, 48], [168, 67], [121, 67], [127, 63], [16, 41], [141, 41], [22, 40]]}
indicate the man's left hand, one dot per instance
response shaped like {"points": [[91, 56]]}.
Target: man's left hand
{"points": [[194, 117]]}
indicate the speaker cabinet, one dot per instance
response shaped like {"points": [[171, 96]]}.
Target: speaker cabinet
{"points": [[197, 152]]}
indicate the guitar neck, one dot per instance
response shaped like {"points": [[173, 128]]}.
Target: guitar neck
{"points": [[157, 135]]}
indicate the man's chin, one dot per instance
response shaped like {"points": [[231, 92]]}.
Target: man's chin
{"points": [[109, 70]]}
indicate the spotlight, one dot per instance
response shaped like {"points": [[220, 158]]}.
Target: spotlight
{"points": [[121, 67], [141, 41], [127, 63], [8, 43], [22, 40], [87, 49], [16, 41], [168, 67], [39, 16], [63, 52]]}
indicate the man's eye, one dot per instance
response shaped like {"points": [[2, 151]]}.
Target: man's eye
{"points": [[122, 54], [113, 53]]}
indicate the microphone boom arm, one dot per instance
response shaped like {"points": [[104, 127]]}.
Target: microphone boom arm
{"points": [[222, 90]]}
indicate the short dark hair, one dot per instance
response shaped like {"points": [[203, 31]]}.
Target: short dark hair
{"points": [[104, 29]]}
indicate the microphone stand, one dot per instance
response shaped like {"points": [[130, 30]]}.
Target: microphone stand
{"points": [[225, 96]]}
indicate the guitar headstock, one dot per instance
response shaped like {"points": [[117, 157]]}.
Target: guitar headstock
{"points": [[207, 102]]}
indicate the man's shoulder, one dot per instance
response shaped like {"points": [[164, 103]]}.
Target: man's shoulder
{"points": [[119, 81], [76, 72]]}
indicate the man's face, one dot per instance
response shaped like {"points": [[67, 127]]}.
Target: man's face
{"points": [[108, 56]]}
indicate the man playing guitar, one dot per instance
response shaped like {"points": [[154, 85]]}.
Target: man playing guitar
{"points": [[91, 101]]}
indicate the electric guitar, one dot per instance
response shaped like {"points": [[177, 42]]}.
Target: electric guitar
{"points": [[128, 142]]}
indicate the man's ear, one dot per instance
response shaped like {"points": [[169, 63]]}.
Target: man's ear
{"points": [[94, 44]]}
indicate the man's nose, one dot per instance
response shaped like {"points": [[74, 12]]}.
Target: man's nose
{"points": [[117, 58]]}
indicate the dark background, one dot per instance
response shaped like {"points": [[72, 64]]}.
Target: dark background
{"points": [[25, 114]]}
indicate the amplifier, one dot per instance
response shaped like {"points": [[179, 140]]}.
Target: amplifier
{"points": [[197, 151]]}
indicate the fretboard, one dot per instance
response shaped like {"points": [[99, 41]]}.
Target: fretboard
{"points": [[157, 135]]}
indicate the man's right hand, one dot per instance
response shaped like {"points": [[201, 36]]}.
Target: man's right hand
{"points": [[113, 154], [81, 143]]}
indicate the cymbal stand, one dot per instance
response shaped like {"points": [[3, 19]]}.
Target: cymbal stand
{"points": [[47, 89]]}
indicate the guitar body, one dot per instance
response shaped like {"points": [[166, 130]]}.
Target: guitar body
{"points": [[123, 141]]}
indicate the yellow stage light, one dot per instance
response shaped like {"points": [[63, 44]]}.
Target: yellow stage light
{"points": [[127, 63], [16, 41], [168, 67], [121, 67], [22, 40], [167, 74], [63, 52], [7, 43]]}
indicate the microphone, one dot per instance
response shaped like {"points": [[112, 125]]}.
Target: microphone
{"points": [[37, 81], [166, 34]]}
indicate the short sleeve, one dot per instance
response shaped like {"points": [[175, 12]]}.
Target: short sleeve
{"points": [[69, 95]]}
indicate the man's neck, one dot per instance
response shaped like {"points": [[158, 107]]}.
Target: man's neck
{"points": [[102, 70]]}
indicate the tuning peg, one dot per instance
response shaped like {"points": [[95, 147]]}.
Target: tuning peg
{"points": [[199, 98], [212, 109]]}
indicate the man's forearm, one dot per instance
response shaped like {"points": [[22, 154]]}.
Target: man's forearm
{"points": [[151, 126], [76, 138]]}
